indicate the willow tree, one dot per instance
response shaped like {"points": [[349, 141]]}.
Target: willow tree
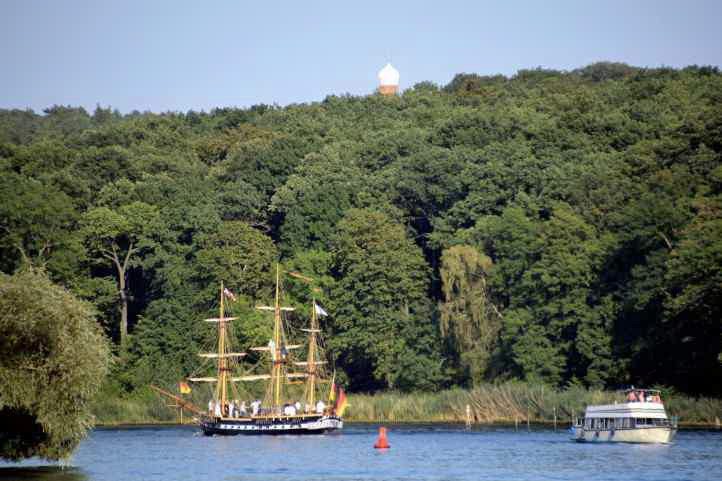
{"points": [[53, 358], [469, 320]]}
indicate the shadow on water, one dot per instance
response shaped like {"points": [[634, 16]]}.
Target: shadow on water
{"points": [[45, 473]]}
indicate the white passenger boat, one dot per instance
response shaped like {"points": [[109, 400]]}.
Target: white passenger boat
{"points": [[640, 419]]}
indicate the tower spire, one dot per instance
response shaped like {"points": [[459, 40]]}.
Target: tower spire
{"points": [[388, 80]]}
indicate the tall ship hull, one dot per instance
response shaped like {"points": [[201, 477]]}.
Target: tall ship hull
{"points": [[280, 425], [642, 419]]}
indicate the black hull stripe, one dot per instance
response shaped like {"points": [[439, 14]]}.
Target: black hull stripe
{"points": [[262, 432]]}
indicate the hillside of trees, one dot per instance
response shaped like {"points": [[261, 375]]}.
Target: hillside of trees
{"points": [[555, 227]]}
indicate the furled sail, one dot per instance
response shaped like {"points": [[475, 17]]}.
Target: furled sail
{"points": [[216, 319], [253, 377], [268, 348], [216, 355]]}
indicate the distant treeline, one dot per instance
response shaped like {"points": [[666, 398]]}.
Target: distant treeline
{"points": [[556, 227]]}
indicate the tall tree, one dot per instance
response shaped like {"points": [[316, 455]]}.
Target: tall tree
{"points": [[469, 320], [384, 334], [36, 223], [118, 236], [694, 302]]}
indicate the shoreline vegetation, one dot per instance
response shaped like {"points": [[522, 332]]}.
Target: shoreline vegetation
{"points": [[508, 403]]}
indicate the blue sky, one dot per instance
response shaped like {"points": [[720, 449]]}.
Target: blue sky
{"points": [[181, 55]]}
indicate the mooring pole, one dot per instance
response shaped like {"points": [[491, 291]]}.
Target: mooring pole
{"points": [[527, 418]]}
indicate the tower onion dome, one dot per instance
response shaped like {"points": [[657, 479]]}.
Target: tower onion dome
{"points": [[388, 80]]}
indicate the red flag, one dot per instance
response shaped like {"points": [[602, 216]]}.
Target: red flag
{"points": [[341, 403]]}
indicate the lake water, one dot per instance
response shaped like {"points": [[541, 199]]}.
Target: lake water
{"points": [[418, 452]]}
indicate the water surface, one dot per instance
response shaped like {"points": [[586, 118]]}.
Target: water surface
{"points": [[418, 452]]}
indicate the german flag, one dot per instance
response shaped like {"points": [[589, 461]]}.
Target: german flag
{"points": [[184, 387], [341, 403]]}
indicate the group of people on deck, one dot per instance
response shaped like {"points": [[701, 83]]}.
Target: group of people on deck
{"points": [[231, 409], [238, 409], [639, 395]]}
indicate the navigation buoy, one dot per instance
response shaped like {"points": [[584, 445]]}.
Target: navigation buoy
{"points": [[381, 442]]}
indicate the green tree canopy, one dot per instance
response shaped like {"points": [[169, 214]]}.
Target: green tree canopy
{"points": [[53, 359], [382, 318]]}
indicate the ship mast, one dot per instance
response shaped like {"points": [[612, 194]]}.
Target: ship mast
{"points": [[221, 387], [311, 370], [222, 355], [277, 360]]}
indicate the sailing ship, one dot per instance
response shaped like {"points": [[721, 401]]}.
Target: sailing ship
{"points": [[276, 413]]}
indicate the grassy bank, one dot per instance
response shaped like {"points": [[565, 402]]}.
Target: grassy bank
{"points": [[491, 403], [112, 407], [512, 402]]}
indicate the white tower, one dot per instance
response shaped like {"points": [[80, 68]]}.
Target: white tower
{"points": [[388, 80]]}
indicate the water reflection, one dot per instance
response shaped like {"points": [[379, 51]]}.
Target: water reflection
{"points": [[44, 473]]}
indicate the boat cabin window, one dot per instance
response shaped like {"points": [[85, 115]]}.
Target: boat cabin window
{"points": [[652, 422], [606, 423], [623, 423]]}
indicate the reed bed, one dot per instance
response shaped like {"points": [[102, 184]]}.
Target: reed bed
{"points": [[142, 407], [511, 402], [505, 403]]}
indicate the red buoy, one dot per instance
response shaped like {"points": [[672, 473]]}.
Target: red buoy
{"points": [[381, 442]]}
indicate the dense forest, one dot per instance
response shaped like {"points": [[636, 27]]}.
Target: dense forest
{"points": [[555, 227]]}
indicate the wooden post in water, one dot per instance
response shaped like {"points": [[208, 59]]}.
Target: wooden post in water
{"points": [[555, 418], [527, 418]]}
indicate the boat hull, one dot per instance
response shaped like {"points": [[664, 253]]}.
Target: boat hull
{"points": [[661, 435], [271, 426]]}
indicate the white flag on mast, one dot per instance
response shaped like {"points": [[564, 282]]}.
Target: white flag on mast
{"points": [[319, 310], [229, 294]]}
